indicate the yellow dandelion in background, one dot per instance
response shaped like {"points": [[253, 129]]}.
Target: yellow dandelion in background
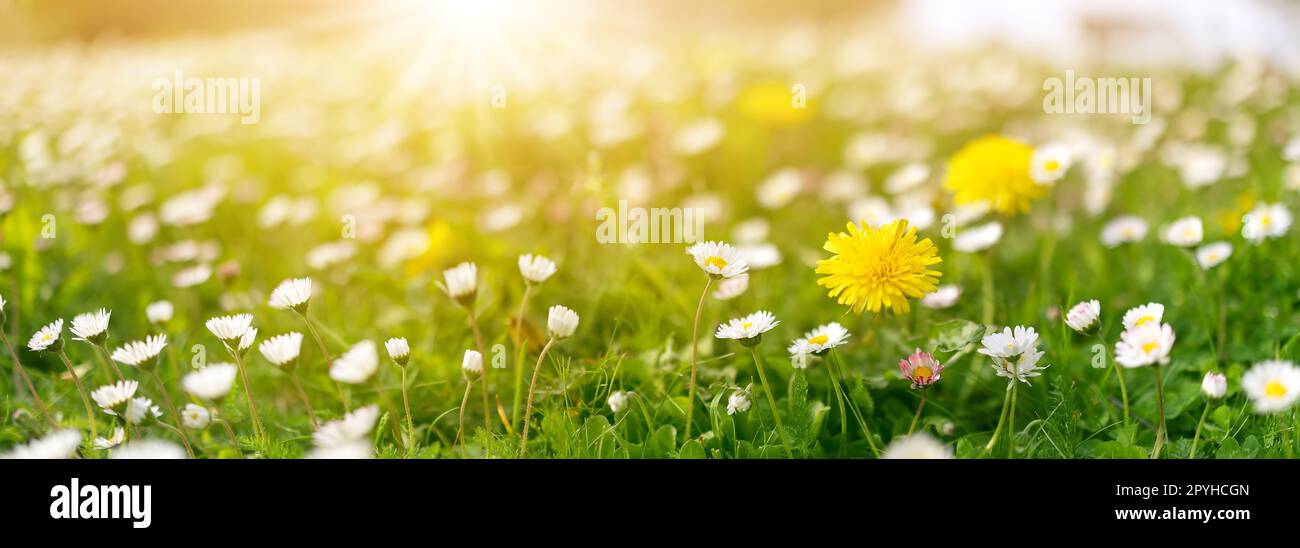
{"points": [[994, 169], [775, 104], [875, 268]]}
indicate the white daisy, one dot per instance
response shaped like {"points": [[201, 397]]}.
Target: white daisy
{"points": [[141, 353], [192, 276], [1212, 255], [1214, 385], [907, 177], [1049, 163], [353, 427], [210, 383], [398, 350], [536, 268], [352, 450], [292, 293], [471, 365], [230, 328], [140, 411], [617, 401], [779, 188], [1265, 221], [738, 402], [1122, 230], [1083, 317], [748, 329], [60, 444], [1185, 232], [110, 442], [1272, 385], [821, 339], [1009, 342], [149, 450], [698, 136], [461, 282], [112, 398], [283, 349], [92, 326], [944, 296], [731, 288], [760, 256], [751, 231], [47, 337], [159, 312], [357, 364], [1141, 315], [920, 445], [978, 238], [561, 322], [195, 416], [1147, 344], [718, 259]]}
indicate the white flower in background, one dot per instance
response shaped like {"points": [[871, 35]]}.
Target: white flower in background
{"points": [[159, 312], [112, 398], [759, 256], [46, 336], [821, 339], [1214, 385], [1122, 230], [1083, 316], [1291, 176], [1147, 344], [916, 212], [698, 136], [192, 276], [353, 450], [907, 177], [617, 401], [561, 322], [731, 288], [738, 402], [2, 305], [1142, 315], [1265, 221], [748, 329], [141, 353], [1212, 255], [751, 231], [1049, 163], [119, 434], [944, 296], [398, 350], [471, 365], [461, 282], [1185, 232], [192, 207], [329, 254], [357, 364], [920, 445], [283, 349], [1272, 385], [230, 328], [195, 416], [778, 189], [142, 228], [536, 268], [842, 186], [60, 444], [293, 293], [871, 210], [149, 450], [978, 238], [718, 259], [971, 212], [1201, 166], [210, 383], [353, 427], [140, 411]]}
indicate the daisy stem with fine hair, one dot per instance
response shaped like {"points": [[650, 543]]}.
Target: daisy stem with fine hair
{"points": [[22, 372], [248, 395], [857, 414], [171, 408], [478, 344], [917, 416], [1002, 417], [532, 387], [460, 430], [325, 355], [520, 348], [1119, 374], [695, 337], [297, 386], [1160, 407], [771, 400], [85, 400], [410, 425]]}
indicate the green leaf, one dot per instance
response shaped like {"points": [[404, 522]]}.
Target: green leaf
{"points": [[953, 335], [691, 450]]}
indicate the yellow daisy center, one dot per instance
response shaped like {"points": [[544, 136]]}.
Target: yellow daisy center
{"points": [[1145, 320], [820, 339], [1147, 348], [1212, 257], [1052, 165], [1274, 389], [1265, 220], [716, 261], [922, 373], [745, 326]]}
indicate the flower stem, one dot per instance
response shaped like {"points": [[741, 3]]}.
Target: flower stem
{"points": [[1160, 406], [1197, 436], [1011, 423], [862, 421], [520, 348], [771, 400], [229, 432], [532, 387], [1119, 374], [460, 431], [31, 388], [833, 373], [917, 416], [410, 425], [102, 354], [85, 400], [171, 408], [297, 385], [695, 336], [482, 350], [248, 396], [1002, 417], [325, 355]]}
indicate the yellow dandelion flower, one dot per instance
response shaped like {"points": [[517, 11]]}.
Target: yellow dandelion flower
{"points": [[994, 169], [880, 267]]}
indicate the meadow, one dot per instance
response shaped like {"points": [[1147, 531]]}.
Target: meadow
{"points": [[902, 256]]}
